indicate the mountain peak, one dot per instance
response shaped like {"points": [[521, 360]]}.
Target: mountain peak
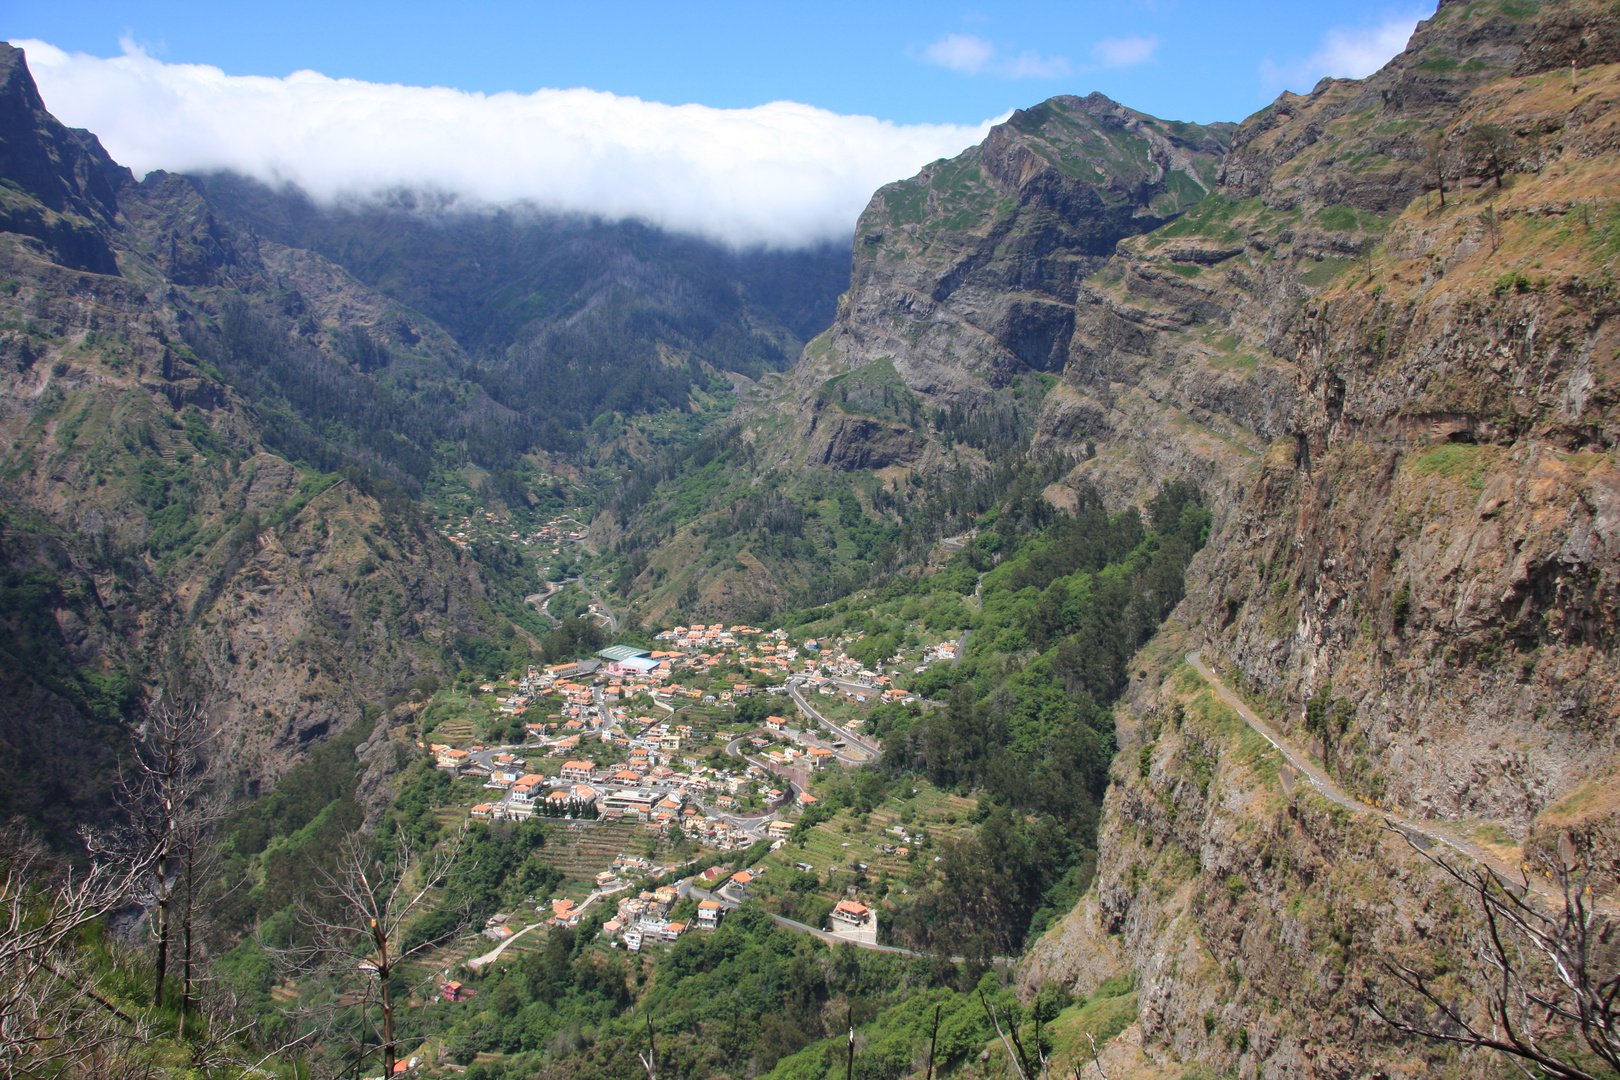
{"points": [[62, 185]]}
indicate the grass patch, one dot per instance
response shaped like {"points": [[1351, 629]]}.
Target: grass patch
{"points": [[1101, 1017], [1325, 271], [1187, 680], [1464, 463]]}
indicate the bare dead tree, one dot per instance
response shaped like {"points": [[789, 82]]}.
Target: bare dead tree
{"points": [[221, 1044], [164, 793], [1028, 1066], [1492, 225], [57, 1016], [360, 927], [199, 886], [1096, 1059], [1545, 983], [649, 1060], [1437, 162], [849, 1056]]}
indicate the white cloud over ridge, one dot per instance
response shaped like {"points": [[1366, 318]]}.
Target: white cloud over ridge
{"points": [[1345, 53], [781, 175]]}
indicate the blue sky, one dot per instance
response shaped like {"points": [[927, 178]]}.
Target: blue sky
{"points": [[141, 75], [1209, 60]]}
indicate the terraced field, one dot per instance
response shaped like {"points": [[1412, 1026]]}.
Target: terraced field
{"points": [[829, 845], [455, 732], [583, 853]]}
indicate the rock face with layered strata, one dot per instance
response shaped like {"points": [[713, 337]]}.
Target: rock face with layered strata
{"points": [[964, 277], [1404, 414]]}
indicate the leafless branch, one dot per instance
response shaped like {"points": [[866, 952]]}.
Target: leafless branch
{"points": [[56, 1015], [1544, 980], [1015, 1047], [356, 931]]}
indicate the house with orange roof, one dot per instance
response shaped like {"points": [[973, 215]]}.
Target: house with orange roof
{"points": [[578, 770], [850, 913]]}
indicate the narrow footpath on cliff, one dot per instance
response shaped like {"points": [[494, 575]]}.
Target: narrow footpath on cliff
{"points": [[1422, 834]]}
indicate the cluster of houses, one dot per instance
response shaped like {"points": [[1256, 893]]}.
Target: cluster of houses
{"points": [[644, 919], [553, 532], [642, 788], [558, 530], [621, 672]]}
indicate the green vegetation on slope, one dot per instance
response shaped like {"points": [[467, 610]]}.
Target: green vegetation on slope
{"points": [[1028, 722]]}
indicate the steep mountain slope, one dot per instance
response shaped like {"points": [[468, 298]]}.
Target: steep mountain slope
{"points": [[907, 417], [566, 318], [965, 276], [224, 404], [155, 529], [1377, 384], [1383, 346], [1405, 413], [61, 182]]}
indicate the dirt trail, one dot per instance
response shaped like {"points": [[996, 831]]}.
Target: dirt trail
{"points": [[1423, 834]]}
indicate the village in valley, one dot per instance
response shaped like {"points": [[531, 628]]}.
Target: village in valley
{"points": [[679, 781]]}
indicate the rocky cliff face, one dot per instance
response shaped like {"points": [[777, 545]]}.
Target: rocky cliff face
{"points": [[1403, 408], [964, 279], [1384, 346], [1405, 413], [61, 194]]}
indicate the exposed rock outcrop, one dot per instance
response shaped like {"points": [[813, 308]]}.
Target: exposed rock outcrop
{"points": [[1404, 414], [964, 277]]}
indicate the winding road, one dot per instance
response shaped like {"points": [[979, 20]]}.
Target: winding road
{"points": [[612, 619], [850, 738], [494, 954], [1423, 834]]}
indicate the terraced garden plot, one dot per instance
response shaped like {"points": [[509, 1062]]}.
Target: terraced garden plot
{"points": [[824, 847], [454, 732], [449, 817], [705, 717], [419, 971], [938, 813], [584, 853]]}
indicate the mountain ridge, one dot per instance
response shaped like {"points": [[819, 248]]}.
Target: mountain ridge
{"points": [[216, 445]]}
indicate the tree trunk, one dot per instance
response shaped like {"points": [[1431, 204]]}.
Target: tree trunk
{"points": [[386, 975], [162, 950], [186, 1004]]}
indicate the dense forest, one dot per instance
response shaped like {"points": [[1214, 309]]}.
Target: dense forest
{"points": [[1027, 721]]}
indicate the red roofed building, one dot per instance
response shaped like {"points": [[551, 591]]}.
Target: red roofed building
{"points": [[850, 912]]}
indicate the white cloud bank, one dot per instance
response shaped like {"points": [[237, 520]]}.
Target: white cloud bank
{"points": [[782, 174], [966, 53], [1346, 53]]}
